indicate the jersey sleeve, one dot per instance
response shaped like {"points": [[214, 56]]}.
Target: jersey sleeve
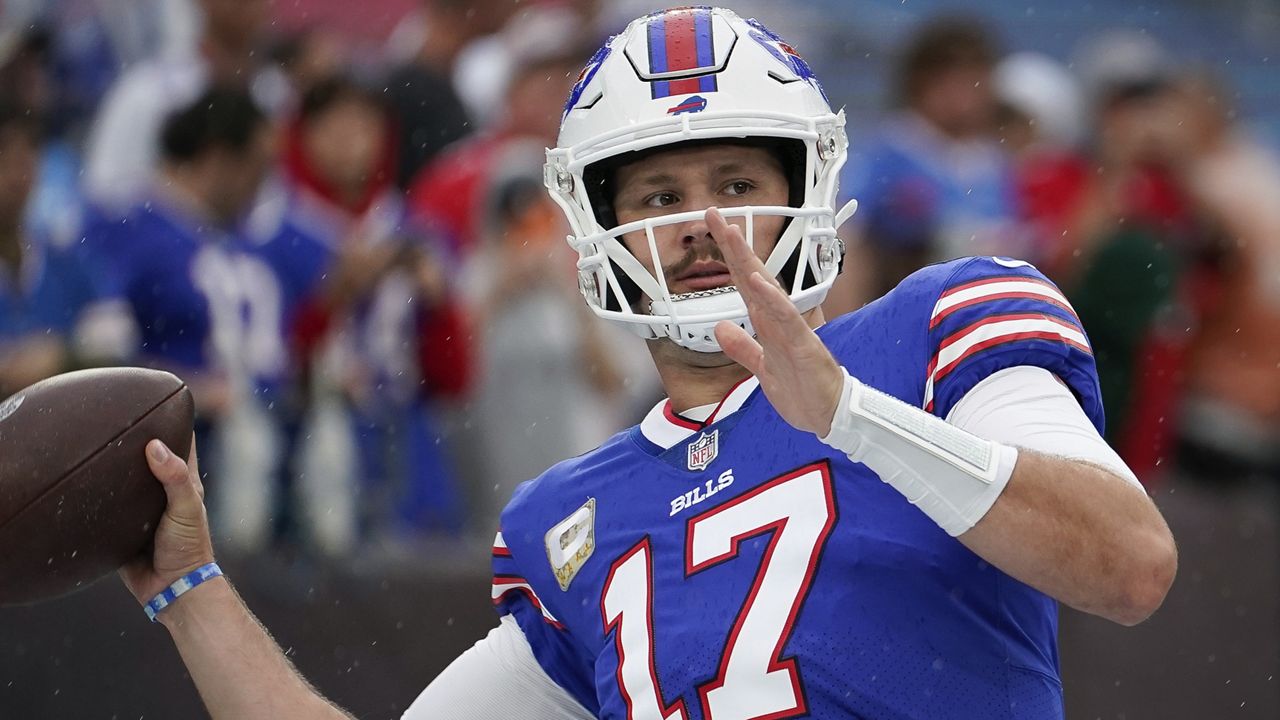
{"points": [[556, 650], [498, 678], [995, 313]]}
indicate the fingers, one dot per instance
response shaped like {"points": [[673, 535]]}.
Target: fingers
{"points": [[740, 346], [771, 310], [181, 485], [193, 467], [740, 258], [770, 303]]}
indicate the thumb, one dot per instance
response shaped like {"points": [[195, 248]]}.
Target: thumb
{"points": [[181, 487]]}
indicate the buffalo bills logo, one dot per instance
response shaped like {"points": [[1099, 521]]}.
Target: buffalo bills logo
{"points": [[691, 104]]}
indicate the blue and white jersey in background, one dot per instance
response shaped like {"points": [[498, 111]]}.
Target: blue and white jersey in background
{"points": [[49, 293], [201, 300], [739, 568], [918, 190]]}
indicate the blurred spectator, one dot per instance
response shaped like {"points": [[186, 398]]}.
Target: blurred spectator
{"points": [[1229, 429], [1041, 118], [25, 71], [92, 40], [486, 65], [539, 337], [372, 290], [450, 195], [204, 306], [54, 314], [28, 75], [306, 57], [429, 112], [1141, 251], [120, 155], [449, 192], [933, 184]]}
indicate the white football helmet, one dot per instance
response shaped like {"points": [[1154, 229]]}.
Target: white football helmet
{"points": [[697, 74]]}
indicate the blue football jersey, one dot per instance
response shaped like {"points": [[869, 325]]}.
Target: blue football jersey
{"points": [[301, 238], [54, 286], [917, 191], [200, 298], [739, 568]]}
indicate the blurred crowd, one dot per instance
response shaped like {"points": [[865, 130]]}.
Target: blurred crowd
{"points": [[1129, 180], [350, 258]]}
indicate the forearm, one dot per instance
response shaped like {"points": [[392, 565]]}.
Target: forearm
{"points": [[1080, 534], [240, 671]]}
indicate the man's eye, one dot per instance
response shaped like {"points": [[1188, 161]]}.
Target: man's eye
{"points": [[738, 187], [664, 199]]}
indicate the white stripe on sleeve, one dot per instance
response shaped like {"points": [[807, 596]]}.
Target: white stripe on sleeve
{"points": [[994, 332], [953, 298]]}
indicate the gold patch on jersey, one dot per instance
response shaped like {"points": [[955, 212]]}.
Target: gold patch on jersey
{"points": [[571, 542]]}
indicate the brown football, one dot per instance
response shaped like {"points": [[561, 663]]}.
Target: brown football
{"points": [[77, 499]]}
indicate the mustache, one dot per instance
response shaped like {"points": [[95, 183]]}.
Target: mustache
{"points": [[693, 255]]}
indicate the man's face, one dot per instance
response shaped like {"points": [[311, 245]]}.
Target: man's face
{"points": [[239, 174], [345, 144], [694, 179], [959, 100]]}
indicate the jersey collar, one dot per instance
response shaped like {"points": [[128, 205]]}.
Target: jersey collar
{"points": [[666, 428]]}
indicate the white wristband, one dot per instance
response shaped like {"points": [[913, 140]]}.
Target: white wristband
{"points": [[953, 476]]}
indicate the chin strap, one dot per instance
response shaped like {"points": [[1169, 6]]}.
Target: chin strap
{"points": [[953, 476], [701, 336]]}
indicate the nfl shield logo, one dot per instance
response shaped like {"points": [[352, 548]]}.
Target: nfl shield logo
{"points": [[704, 450]]}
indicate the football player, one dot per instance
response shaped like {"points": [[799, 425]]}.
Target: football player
{"points": [[872, 517], [203, 301]]}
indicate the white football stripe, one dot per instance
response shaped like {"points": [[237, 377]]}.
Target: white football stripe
{"points": [[992, 331], [499, 542], [499, 590], [660, 431], [946, 302]]}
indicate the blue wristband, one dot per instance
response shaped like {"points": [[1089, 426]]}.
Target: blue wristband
{"points": [[180, 586]]}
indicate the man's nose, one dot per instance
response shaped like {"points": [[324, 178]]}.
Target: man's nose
{"points": [[692, 232]]}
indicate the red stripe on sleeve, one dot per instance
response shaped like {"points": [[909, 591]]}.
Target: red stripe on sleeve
{"points": [[937, 319], [960, 334], [1001, 340]]}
